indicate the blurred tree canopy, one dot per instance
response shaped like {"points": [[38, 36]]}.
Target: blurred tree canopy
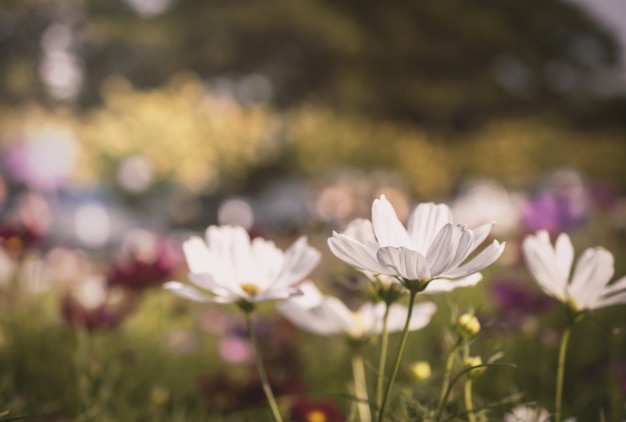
{"points": [[442, 64]]}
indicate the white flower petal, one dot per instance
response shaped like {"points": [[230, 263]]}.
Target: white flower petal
{"points": [[465, 246], [425, 222], [421, 316], [368, 318], [191, 293], [362, 231], [444, 285], [336, 311], [275, 294], [480, 234], [219, 241], [616, 299], [241, 256], [206, 282], [300, 260], [485, 258], [404, 262], [267, 260], [541, 261], [387, 227], [593, 271], [329, 316], [615, 287], [524, 413], [443, 249], [354, 253], [564, 252], [197, 255], [309, 296], [308, 319]]}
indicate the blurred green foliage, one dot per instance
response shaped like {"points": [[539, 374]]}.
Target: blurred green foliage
{"points": [[49, 371]]}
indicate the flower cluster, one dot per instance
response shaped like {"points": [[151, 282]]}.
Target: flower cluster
{"points": [[431, 255]]}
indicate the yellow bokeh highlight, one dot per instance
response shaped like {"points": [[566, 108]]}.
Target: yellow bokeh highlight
{"points": [[184, 131], [197, 139]]}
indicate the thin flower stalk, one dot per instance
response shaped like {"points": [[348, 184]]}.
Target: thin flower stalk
{"points": [[360, 387], [467, 384], [396, 365], [261, 368], [446, 377], [560, 373], [467, 394], [384, 344]]}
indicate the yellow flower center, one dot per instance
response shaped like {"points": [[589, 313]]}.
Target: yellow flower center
{"points": [[251, 289], [359, 329], [316, 416]]}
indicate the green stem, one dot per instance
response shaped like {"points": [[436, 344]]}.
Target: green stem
{"points": [[259, 364], [467, 393], [396, 365], [384, 344], [560, 374], [83, 356], [360, 387], [446, 379], [87, 396]]}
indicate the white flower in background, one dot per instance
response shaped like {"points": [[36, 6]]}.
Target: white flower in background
{"points": [[231, 268], [482, 201], [588, 286], [327, 315], [524, 413], [428, 254], [527, 414]]}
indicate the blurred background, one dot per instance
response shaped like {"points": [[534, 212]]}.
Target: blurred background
{"points": [[127, 125], [196, 100]]}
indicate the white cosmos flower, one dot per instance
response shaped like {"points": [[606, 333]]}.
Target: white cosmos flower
{"points": [[327, 315], [524, 413], [230, 268], [527, 414], [431, 251], [588, 286]]}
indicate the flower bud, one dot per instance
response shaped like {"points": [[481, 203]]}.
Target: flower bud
{"points": [[420, 370], [472, 361], [467, 326]]}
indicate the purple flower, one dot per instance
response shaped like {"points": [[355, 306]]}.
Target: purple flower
{"points": [[552, 212], [45, 161], [516, 304], [235, 349], [145, 261], [92, 306], [516, 296], [26, 223], [561, 204]]}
